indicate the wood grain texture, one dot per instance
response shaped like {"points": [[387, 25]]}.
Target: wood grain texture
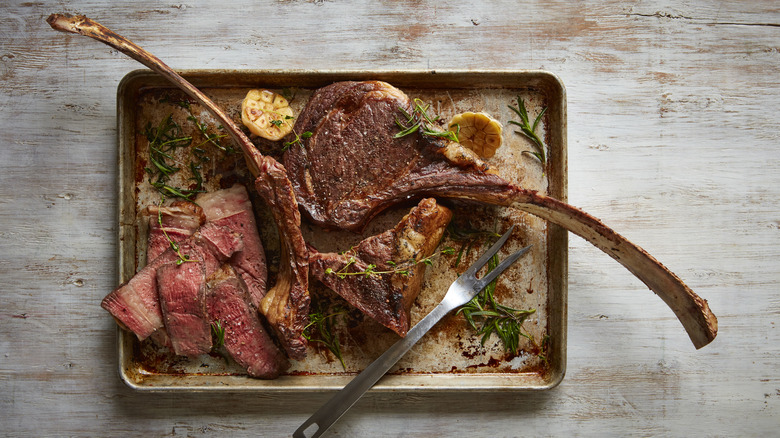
{"points": [[673, 133]]}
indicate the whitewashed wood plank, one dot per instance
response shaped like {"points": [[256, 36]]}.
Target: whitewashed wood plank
{"points": [[673, 115]]}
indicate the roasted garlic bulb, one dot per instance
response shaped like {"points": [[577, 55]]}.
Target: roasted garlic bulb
{"points": [[267, 114], [478, 132]]}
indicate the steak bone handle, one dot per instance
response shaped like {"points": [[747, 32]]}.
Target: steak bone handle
{"points": [[81, 25], [693, 311]]}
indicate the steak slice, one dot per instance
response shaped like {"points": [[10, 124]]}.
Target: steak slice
{"points": [[246, 340], [181, 287], [286, 305], [176, 222], [232, 208], [386, 297], [135, 305], [352, 167], [173, 223]]}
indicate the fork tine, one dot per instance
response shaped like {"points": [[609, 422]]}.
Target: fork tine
{"points": [[495, 272], [472, 271]]}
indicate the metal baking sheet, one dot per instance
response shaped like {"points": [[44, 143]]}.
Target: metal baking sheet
{"points": [[449, 358]]}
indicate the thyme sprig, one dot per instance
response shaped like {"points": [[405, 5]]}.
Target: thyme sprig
{"points": [[298, 138], [529, 130], [182, 258], [419, 119], [163, 140], [487, 316], [321, 330], [209, 137], [402, 268]]}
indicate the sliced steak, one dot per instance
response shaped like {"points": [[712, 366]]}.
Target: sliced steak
{"points": [[286, 305], [352, 167], [232, 208], [386, 297], [182, 287], [246, 340], [136, 304], [173, 223]]}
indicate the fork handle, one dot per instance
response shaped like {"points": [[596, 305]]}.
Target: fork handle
{"points": [[331, 411]]}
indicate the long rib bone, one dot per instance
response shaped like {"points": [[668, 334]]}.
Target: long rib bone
{"points": [[693, 311], [293, 314]]}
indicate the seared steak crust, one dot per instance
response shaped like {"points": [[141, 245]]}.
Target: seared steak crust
{"points": [[286, 305], [386, 297], [353, 167]]}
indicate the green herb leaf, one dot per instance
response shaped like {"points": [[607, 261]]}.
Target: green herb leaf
{"points": [[420, 120], [484, 314], [321, 330], [529, 130]]}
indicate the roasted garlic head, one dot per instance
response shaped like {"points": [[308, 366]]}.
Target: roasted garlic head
{"points": [[478, 132], [267, 114]]}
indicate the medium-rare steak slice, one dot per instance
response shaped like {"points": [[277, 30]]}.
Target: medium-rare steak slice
{"points": [[386, 297], [246, 340], [232, 208], [352, 167], [173, 223], [286, 305], [182, 287], [179, 220], [135, 304]]}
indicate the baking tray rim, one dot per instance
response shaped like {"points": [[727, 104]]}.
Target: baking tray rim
{"points": [[429, 382]]}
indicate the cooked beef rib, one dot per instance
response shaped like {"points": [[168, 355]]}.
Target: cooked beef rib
{"points": [[228, 304], [398, 253], [352, 167], [286, 305]]}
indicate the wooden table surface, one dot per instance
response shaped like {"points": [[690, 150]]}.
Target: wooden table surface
{"points": [[674, 140]]}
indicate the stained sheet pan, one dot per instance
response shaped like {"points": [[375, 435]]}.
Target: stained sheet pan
{"points": [[451, 357]]}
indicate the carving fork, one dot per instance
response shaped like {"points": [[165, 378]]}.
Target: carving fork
{"points": [[466, 287]]}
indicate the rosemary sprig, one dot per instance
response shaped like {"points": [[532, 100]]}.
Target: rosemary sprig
{"points": [[182, 258], [528, 129], [320, 330], [218, 340], [470, 238], [419, 119], [486, 316], [403, 268], [217, 334]]}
